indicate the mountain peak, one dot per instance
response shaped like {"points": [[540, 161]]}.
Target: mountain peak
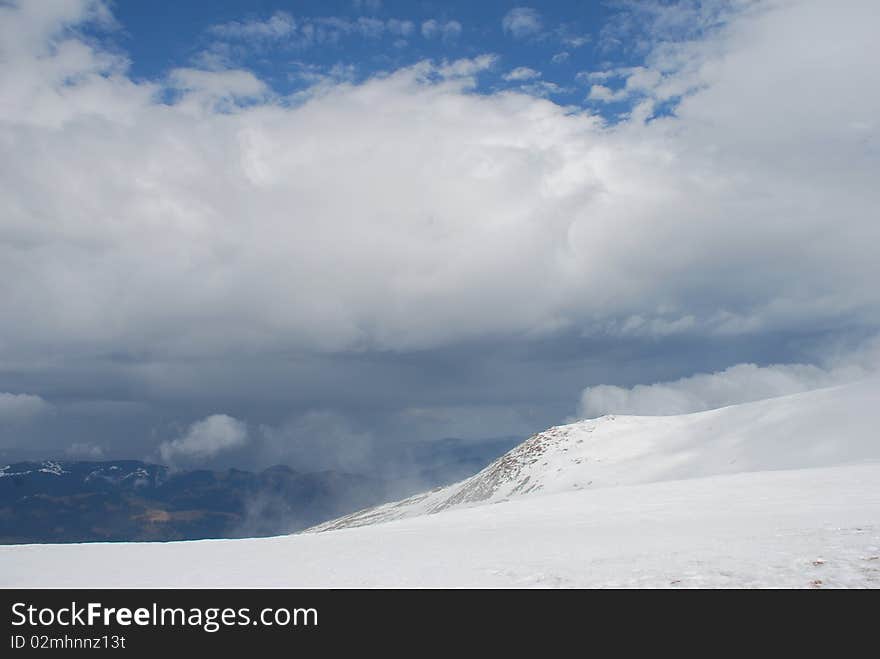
{"points": [[818, 428]]}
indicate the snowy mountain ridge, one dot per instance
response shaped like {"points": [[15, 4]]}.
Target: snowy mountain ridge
{"points": [[821, 428]]}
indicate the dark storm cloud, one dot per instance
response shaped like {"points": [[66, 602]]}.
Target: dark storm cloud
{"points": [[359, 412]]}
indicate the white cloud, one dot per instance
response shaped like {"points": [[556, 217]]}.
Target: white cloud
{"points": [[451, 29], [463, 70], [204, 440], [561, 57], [605, 94], [638, 81], [594, 76], [306, 32], [737, 384], [185, 229], [278, 26], [21, 407], [522, 73], [575, 41], [542, 88], [521, 22], [432, 28], [219, 90]]}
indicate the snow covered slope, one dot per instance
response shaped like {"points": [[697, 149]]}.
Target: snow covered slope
{"points": [[803, 529], [819, 428], [783, 492]]}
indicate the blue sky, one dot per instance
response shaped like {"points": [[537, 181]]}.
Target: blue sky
{"points": [[547, 46], [337, 229]]}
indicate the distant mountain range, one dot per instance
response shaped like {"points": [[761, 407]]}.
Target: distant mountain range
{"points": [[129, 500]]}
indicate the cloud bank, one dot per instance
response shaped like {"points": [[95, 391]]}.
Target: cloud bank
{"points": [[175, 227], [147, 226], [737, 384]]}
